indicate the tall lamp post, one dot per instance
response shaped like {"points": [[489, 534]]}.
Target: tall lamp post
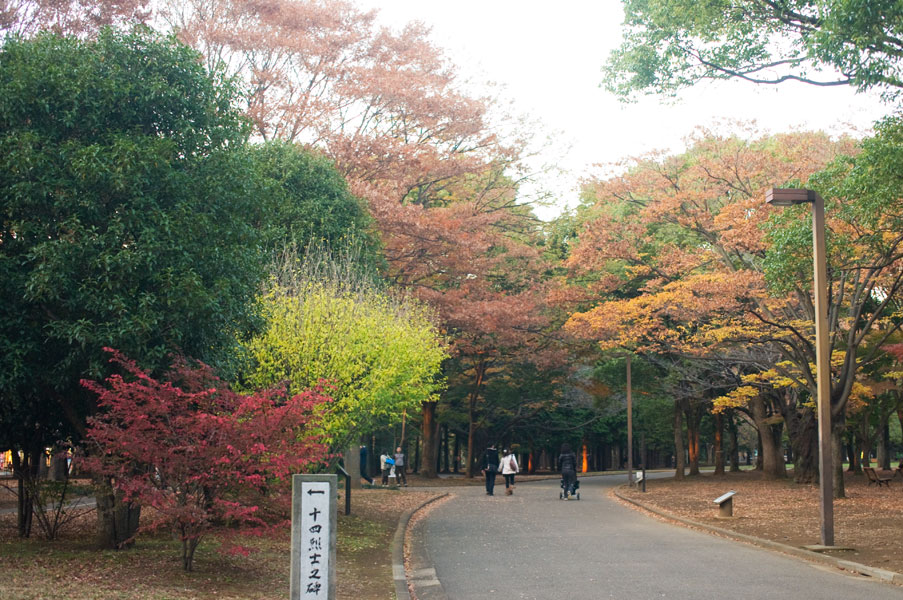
{"points": [[790, 197], [629, 427]]}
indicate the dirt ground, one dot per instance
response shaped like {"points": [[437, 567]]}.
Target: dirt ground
{"points": [[869, 519], [71, 567]]}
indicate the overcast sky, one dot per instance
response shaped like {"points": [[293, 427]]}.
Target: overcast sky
{"points": [[548, 58]]}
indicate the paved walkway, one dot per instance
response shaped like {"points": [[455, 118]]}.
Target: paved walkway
{"points": [[534, 546], [77, 503]]}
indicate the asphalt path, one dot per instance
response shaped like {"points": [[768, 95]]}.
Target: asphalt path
{"points": [[531, 545]]}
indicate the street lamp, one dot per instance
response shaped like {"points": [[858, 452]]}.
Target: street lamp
{"points": [[629, 427], [790, 197]]}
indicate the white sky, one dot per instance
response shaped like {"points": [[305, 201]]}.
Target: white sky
{"points": [[548, 58]]}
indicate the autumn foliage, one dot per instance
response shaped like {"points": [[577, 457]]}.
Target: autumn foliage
{"points": [[196, 452]]}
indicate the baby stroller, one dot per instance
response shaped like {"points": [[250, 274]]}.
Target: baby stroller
{"points": [[576, 494]]}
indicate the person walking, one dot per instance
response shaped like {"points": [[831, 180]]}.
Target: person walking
{"points": [[508, 467], [490, 466], [364, 469], [400, 476], [567, 465]]}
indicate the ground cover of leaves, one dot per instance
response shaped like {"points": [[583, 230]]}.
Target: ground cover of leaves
{"points": [[72, 568], [869, 519]]}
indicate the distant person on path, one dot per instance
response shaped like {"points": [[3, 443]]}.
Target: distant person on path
{"points": [[508, 467], [364, 475], [567, 465], [399, 467], [385, 466], [490, 466]]}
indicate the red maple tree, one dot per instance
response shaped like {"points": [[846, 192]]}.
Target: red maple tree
{"points": [[197, 452]]}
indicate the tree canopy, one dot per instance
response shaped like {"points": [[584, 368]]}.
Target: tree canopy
{"points": [[672, 44], [123, 207], [304, 200], [327, 322]]}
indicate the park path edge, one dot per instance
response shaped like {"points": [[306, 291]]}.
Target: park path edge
{"points": [[399, 575], [842, 564]]}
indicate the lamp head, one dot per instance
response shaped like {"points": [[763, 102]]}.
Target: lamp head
{"points": [[789, 196]]}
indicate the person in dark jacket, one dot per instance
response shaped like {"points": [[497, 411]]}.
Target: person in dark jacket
{"points": [[490, 465], [567, 465]]}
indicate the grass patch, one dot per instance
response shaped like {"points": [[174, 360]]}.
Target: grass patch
{"points": [[355, 534]]}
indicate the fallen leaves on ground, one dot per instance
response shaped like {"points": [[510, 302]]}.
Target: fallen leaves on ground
{"points": [[869, 519], [71, 567]]}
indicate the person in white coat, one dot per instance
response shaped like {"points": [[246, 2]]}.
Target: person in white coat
{"points": [[508, 467]]}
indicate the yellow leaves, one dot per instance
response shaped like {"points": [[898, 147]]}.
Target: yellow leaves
{"points": [[735, 398], [860, 394], [679, 315], [772, 377], [380, 354]]}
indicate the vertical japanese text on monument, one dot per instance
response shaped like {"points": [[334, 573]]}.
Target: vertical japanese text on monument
{"points": [[315, 535]]}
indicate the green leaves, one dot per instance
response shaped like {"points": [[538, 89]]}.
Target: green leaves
{"points": [[123, 204], [305, 200], [673, 44], [326, 321]]}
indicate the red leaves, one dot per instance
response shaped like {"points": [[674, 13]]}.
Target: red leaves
{"points": [[195, 450]]}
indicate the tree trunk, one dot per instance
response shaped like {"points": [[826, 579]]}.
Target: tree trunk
{"points": [[189, 545], [25, 470], [802, 427], [693, 419], [850, 445], [770, 434], [865, 443], [719, 444], [838, 425], [430, 435], [352, 460], [474, 396], [884, 443], [444, 466], [456, 464], [735, 442], [759, 462], [864, 454], [678, 442], [471, 443], [117, 521]]}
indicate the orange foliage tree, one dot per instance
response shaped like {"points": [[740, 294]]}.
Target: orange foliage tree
{"points": [[714, 270], [74, 17]]}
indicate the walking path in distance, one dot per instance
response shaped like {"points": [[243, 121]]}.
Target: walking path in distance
{"points": [[534, 546]]}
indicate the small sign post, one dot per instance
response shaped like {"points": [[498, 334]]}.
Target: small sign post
{"points": [[313, 537]]}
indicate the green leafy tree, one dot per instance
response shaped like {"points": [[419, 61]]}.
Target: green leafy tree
{"points": [[123, 222], [328, 321], [304, 199], [673, 44]]}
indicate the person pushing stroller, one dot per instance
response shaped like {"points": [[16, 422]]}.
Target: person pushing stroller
{"points": [[567, 466]]}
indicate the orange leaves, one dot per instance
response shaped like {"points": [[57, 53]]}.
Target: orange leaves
{"points": [[684, 235], [669, 318]]}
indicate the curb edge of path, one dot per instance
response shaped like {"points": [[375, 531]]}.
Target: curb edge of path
{"points": [[402, 592], [846, 565]]}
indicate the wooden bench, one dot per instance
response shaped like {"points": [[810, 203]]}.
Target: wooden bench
{"points": [[875, 478]]}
